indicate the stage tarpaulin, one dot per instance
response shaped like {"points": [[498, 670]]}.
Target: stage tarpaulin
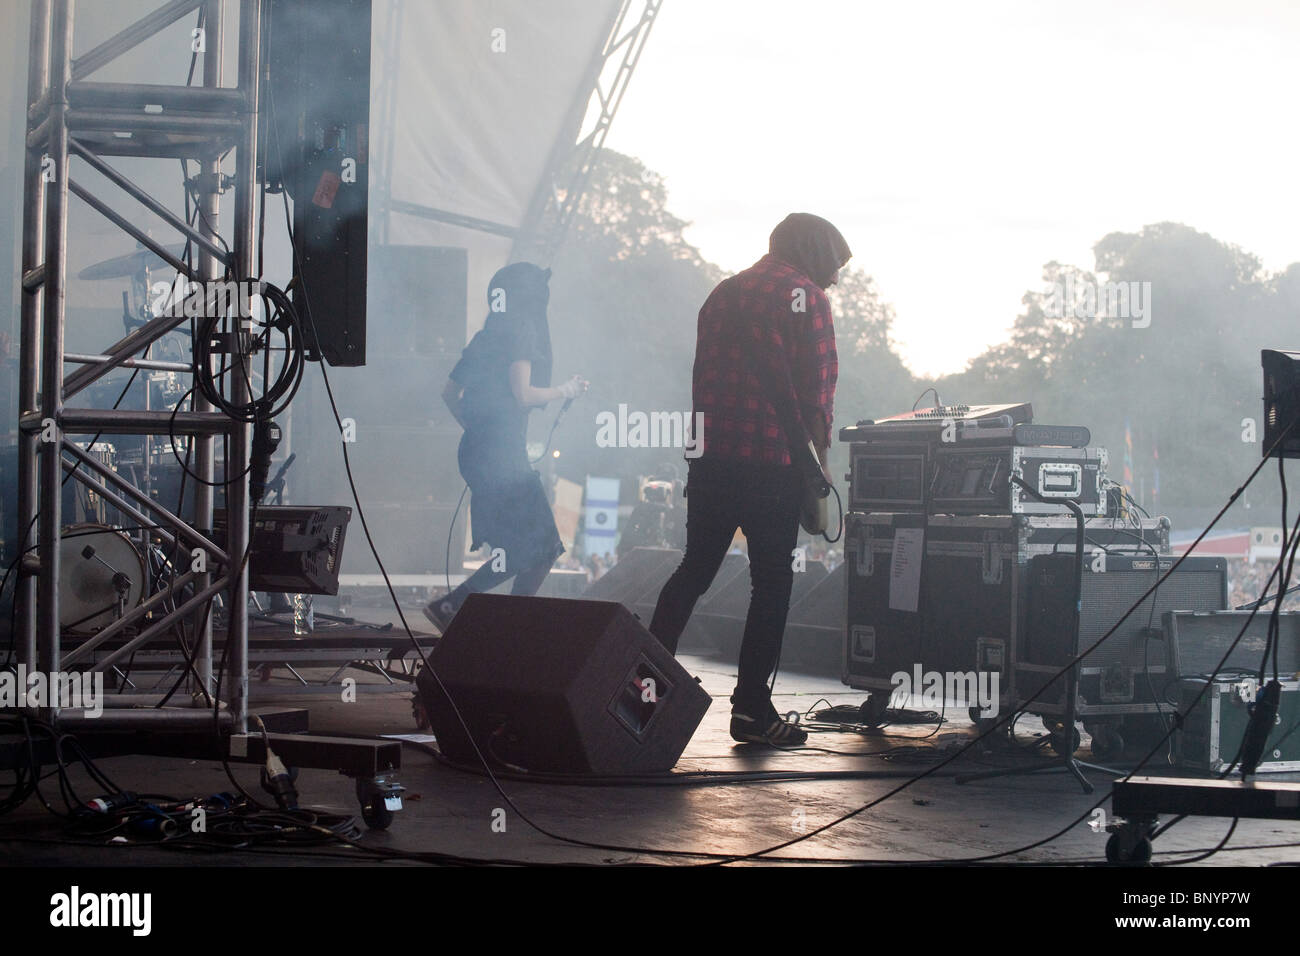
{"points": [[483, 93]]}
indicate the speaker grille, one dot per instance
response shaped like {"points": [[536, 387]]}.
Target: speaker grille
{"points": [[1198, 585]]}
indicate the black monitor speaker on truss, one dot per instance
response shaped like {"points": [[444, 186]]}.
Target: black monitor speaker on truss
{"points": [[1281, 402], [316, 145]]}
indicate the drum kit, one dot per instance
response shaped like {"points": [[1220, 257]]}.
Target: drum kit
{"points": [[101, 576]]}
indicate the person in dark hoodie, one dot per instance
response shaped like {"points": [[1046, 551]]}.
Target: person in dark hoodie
{"points": [[504, 373], [775, 312]]}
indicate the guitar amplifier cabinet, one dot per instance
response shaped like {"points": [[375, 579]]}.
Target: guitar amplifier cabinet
{"points": [[965, 614], [1214, 727], [1132, 671], [1199, 643]]}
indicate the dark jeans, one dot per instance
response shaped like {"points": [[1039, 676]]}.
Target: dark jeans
{"points": [[509, 511], [527, 582], [763, 501]]}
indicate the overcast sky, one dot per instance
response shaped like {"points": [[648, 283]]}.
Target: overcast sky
{"points": [[959, 146]]}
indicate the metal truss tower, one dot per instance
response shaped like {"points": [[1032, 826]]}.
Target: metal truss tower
{"points": [[72, 116]]}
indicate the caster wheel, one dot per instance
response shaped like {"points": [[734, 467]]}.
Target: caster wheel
{"points": [[374, 811], [872, 711], [1119, 850], [1107, 744], [1059, 739]]}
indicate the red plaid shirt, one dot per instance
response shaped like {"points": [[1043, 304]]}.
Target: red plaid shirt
{"points": [[788, 319]]}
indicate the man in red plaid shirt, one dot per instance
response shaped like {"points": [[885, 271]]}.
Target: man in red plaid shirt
{"points": [[775, 313]]}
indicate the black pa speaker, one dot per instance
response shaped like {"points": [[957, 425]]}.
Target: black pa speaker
{"points": [[560, 686], [316, 100], [1281, 403]]}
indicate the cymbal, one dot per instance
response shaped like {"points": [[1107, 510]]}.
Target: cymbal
{"points": [[129, 264]]}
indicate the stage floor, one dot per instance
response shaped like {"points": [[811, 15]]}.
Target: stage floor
{"points": [[453, 812]]}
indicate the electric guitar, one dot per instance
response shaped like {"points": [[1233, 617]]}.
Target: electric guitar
{"points": [[813, 516]]}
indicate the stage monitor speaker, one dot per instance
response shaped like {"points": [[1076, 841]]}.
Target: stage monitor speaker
{"points": [[637, 578], [558, 686], [294, 548], [733, 566]]}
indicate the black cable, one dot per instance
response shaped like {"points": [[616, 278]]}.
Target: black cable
{"points": [[937, 400], [451, 531], [1284, 581], [840, 504], [276, 394], [192, 475], [1208, 853]]}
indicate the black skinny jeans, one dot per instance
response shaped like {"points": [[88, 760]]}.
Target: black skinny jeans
{"points": [[763, 501]]}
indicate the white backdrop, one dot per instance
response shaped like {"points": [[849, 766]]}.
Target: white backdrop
{"points": [[485, 89]]}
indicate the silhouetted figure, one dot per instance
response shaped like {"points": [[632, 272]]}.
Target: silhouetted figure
{"points": [[744, 477], [502, 374]]}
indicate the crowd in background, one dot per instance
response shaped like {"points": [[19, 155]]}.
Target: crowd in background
{"points": [[1246, 583]]}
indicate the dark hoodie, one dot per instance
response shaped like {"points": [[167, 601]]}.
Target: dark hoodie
{"points": [[812, 245]]}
